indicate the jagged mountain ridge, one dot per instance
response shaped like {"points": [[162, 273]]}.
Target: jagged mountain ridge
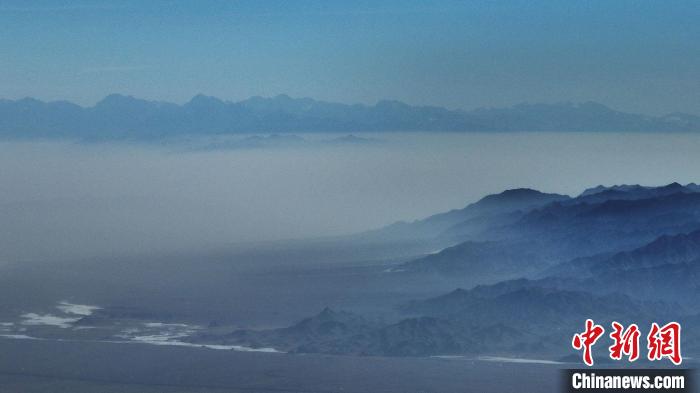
{"points": [[525, 317], [519, 243], [656, 281], [666, 249], [507, 206], [125, 117]]}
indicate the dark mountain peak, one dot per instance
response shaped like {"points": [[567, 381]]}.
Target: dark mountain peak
{"points": [[514, 193], [286, 99], [116, 98], [632, 192], [201, 100], [327, 322], [519, 196], [391, 104], [621, 188], [326, 313], [352, 139], [594, 106], [29, 101], [116, 103], [330, 315], [593, 190], [121, 112], [458, 292], [675, 186], [62, 104]]}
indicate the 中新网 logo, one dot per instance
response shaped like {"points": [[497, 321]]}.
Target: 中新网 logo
{"points": [[662, 342]]}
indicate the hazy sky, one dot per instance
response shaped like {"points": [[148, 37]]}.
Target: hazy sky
{"points": [[82, 199], [633, 55]]}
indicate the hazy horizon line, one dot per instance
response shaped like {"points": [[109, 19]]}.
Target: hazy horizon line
{"points": [[365, 104]]}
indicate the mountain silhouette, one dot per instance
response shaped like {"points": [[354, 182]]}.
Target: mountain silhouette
{"points": [[125, 117], [537, 266]]}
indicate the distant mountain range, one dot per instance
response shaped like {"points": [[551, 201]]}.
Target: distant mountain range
{"points": [[492, 208], [520, 239], [543, 264], [125, 117]]}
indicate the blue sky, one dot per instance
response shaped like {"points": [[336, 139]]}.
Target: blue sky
{"points": [[641, 56]]}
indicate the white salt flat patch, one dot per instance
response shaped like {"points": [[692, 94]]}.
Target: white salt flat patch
{"points": [[128, 333], [174, 334], [166, 325], [172, 340], [515, 360], [77, 309], [157, 332], [32, 319], [18, 337], [242, 348], [159, 338]]}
